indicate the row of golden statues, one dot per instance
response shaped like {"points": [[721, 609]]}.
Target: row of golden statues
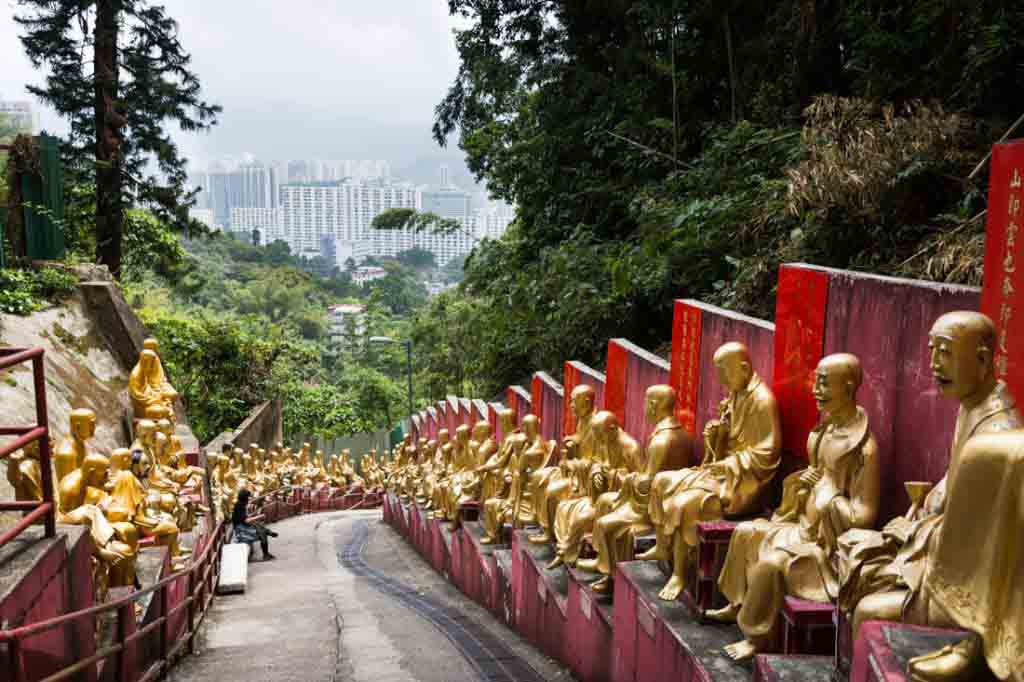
{"points": [[148, 490], [955, 559]]}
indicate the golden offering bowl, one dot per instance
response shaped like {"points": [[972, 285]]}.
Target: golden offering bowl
{"points": [[918, 490]]}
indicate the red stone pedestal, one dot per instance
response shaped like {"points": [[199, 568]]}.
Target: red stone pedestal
{"points": [[479, 566], [588, 629], [808, 627], [658, 640], [543, 599], [712, 545]]}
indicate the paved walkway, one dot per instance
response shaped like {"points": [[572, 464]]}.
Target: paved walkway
{"points": [[306, 617]]}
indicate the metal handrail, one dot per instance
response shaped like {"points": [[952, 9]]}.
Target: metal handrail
{"points": [[202, 576], [44, 509]]}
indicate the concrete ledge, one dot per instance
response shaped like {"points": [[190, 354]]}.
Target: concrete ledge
{"points": [[234, 568]]}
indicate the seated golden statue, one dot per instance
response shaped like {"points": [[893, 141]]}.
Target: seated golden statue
{"points": [[616, 454], [529, 452], [148, 386], [795, 553], [972, 584], [742, 452], [82, 501], [70, 452], [131, 497], [24, 474], [669, 448], [495, 467], [553, 484], [448, 451], [464, 483], [882, 573]]}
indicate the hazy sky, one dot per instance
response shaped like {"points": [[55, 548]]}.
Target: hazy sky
{"points": [[329, 79]]}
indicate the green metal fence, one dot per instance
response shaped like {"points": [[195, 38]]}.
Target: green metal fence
{"points": [[42, 196]]}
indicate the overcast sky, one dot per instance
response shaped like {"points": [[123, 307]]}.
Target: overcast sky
{"points": [[328, 79]]}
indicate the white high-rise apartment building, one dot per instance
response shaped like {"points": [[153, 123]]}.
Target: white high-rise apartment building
{"points": [[343, 209], [267, 220], [21, 114]]}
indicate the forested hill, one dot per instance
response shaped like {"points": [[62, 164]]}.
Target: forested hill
{"points": [[666, 149]]}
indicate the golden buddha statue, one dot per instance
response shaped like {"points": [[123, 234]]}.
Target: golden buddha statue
{"points": [[148, 386], [616, 454], [882, 573], [172, 459], [669, 448], [131, 497], [71, 451], [25, 475], [553, 484], [82, 501], [495, 468], [796, 552], [529, 452], [442, 470], [971, 584], [742, 453], [464, 483]]}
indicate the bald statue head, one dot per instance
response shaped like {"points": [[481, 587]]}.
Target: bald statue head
{"points": [[732, 361], [462, 434], [83, 424], [961, 345], [94, 469], [659, 402], [481, 430], [151, 344], [836, 381], [531, 426], [582, 400], [508, 420], [443, 437], [606, 426], [145, 429]]}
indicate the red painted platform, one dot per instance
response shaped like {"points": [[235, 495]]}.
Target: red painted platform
{"points": [[588, 629]]}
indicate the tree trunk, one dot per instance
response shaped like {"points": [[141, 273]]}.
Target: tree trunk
{"points": [[109, 208]]}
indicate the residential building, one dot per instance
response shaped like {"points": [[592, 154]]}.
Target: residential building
{"points": [[342, 209], [367, 273], [21, 115], [346, 324], [266, 220]]}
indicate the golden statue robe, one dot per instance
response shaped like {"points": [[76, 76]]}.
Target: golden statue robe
{"points": [[976, 569], [594, 489], [549, 485], [805, 529], [895, 558], [679, 499]]}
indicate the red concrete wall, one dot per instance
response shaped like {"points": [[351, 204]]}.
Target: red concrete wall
{"points": [[493, 409], [547, 403], [454, 417], [518, 400], [576, 374], [631, 371], [717, 327]]}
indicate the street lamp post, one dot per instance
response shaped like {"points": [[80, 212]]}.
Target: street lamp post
{"points": [[408, 361]]}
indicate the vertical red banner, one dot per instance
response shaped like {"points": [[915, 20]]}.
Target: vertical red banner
{"points": [[686, 334], [1001, 297], [615, 381], [799, 346], [537, 395], [512, 401], [570, 380]]}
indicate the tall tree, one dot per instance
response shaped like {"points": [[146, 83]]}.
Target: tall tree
{"points": [[139, 80]]}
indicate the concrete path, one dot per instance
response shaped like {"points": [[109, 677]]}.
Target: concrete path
{"points": [[305, 617]]}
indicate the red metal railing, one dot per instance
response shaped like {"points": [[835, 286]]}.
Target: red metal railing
{"points": [[127, 644], [45, 509]]}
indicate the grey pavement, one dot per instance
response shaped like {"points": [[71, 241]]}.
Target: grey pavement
{"points": [[304, 617]]}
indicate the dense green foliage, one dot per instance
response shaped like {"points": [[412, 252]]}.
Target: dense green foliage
{"points": [[26, 291], [239, 324], [682, 148]]}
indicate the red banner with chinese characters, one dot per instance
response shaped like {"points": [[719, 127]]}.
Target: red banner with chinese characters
{"points": [[686, 332], [1001, 297], [799, 346]]}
